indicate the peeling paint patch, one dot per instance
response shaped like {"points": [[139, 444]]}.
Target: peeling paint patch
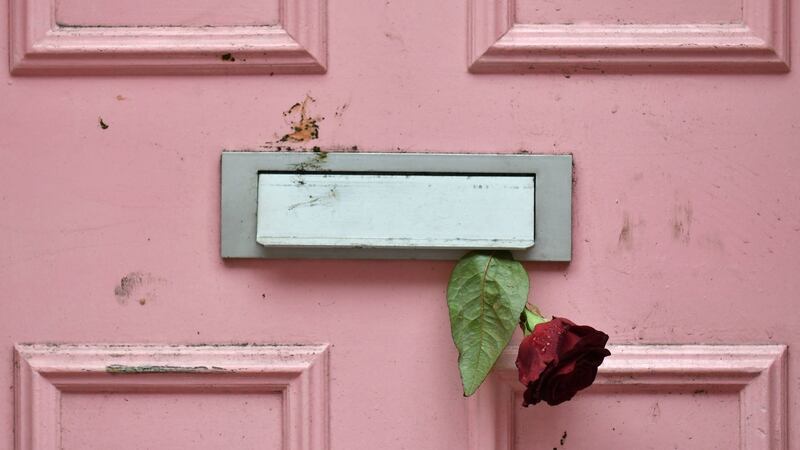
{"points": [[305, 128], [120, 368]]}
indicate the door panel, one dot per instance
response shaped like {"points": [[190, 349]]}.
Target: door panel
{"points": [[647, 396], [159, 396], [685, 215]]}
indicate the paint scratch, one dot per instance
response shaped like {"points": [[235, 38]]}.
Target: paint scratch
{"points": [[314, 200]]}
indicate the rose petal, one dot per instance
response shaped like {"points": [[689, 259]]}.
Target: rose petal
{"points": [[538, 350], [558, 359]]}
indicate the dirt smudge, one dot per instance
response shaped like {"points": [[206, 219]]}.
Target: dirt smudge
{"points": [[313, 164], [141, 286], [625, 239], [682, 222], [341, 110]]}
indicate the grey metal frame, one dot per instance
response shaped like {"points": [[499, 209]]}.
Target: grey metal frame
{"points": [[239, 197]]}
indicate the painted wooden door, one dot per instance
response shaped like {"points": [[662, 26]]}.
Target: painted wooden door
{"points": [[122, 327]]}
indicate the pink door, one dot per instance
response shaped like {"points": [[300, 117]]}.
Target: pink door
{"points": [[121, 326]]}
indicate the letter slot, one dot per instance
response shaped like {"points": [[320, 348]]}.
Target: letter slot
{"points": [[396, 211]]}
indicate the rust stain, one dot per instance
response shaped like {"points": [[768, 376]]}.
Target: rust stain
{"points": [[305, 128], [121, 98]]}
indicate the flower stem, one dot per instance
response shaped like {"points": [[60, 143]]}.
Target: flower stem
{"points": [[530, 317]]}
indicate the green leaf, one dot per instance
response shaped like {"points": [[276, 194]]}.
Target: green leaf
{"points": [[486, 295]]}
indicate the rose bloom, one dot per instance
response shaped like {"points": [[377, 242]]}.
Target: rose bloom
{"points": [[558, 359]]}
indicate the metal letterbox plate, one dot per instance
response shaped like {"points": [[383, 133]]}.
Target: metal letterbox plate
{"points": [[395, 205]]}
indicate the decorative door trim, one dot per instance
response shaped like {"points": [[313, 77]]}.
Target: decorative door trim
{"points": [[40, 45], [757, 372], [498, 43], [299, 373]]}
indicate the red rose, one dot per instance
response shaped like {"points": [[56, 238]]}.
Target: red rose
{"points": [[558, 359]]}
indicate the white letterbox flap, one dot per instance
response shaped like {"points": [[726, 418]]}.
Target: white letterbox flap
{"points": [[395, 211]]}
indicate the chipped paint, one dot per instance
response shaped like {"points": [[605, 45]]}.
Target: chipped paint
{"points": [[120, 368], [305, 128], [103, 124]]}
